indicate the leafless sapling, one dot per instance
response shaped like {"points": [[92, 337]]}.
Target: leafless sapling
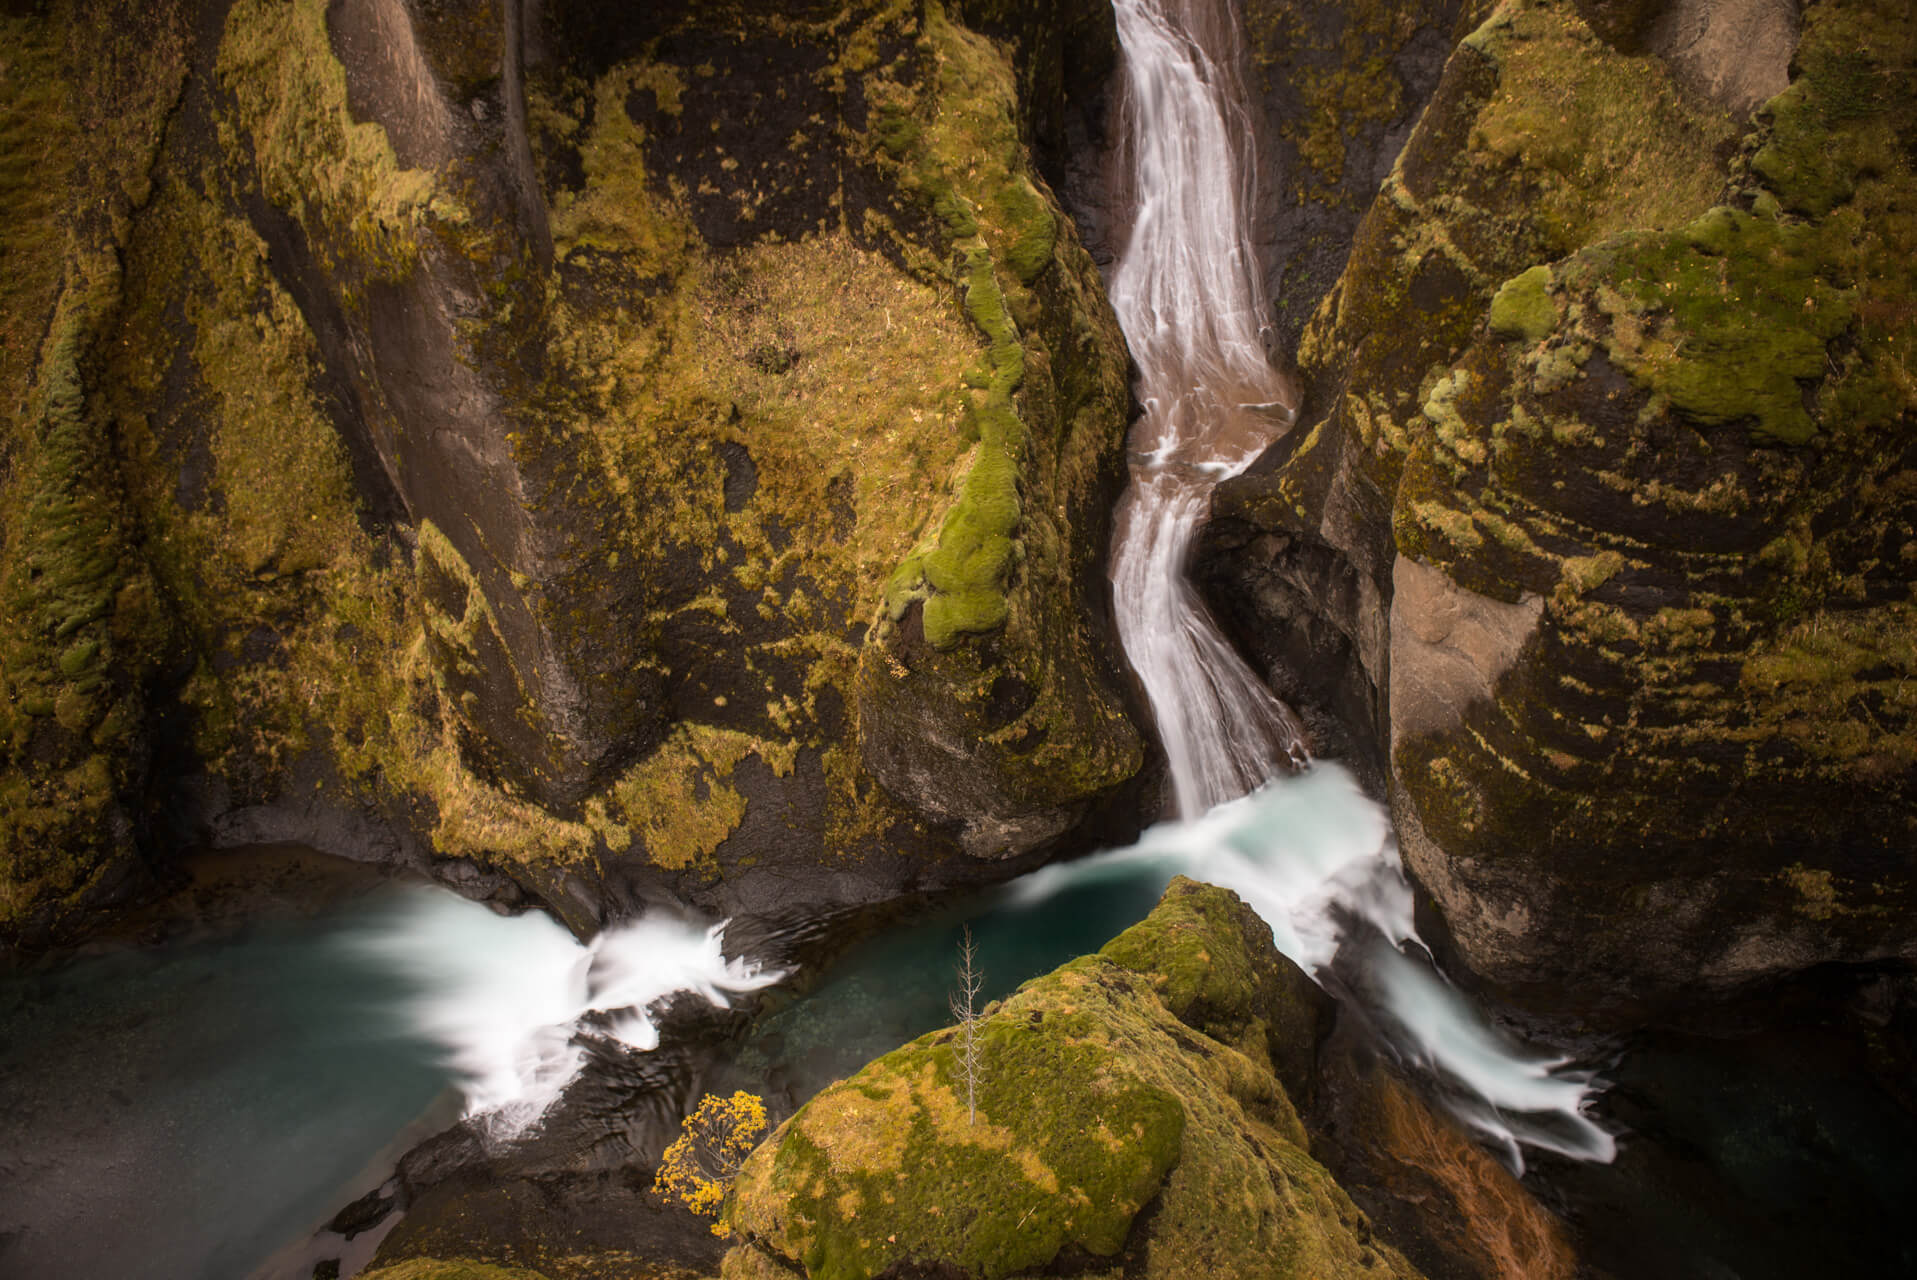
{"points": [[966, 1010]]}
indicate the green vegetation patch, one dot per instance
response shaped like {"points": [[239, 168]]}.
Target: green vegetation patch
{"points": [[1197, 951], [1522, 307], [1067, 1146], [968, 163], [1724, 318], [38, 137], [314, 160], [620, 208], [1850, 114], [678, 800], [1093, 1100], [1605, 139], [73, 604], [448, 1269], [1342, 83]]}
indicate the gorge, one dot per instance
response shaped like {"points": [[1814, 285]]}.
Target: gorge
{"points": [[644, 469]]}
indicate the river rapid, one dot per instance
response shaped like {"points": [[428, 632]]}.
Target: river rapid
{"points": [[197, 1109]]}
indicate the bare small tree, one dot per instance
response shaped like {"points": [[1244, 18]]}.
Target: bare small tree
{"points": [[965, 1009]]}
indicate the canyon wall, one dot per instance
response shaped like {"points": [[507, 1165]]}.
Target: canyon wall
{"points": [[593, 455], [1598, 521]]}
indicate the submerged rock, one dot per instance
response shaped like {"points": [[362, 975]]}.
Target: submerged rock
{"points": [[1598, 511], [595, 455]]}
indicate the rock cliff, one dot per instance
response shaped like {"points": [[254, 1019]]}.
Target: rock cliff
{"points": [[592, 454], [1598, 515]]}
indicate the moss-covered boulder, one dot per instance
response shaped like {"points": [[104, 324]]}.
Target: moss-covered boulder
{"points": [[448, 1269], [1600, 508], [1128, 1121], [593, 454]]}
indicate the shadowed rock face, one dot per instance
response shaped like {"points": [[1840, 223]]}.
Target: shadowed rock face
{"points": [[588, 451], [1341, 84], [1605, 420]]}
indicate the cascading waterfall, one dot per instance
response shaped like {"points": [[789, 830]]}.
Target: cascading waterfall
{"points": [[1313, 855], [1188, 298], [508, 998], [511, 1000]]}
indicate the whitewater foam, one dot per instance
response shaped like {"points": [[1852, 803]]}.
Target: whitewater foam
{"points": [[507, 998]]}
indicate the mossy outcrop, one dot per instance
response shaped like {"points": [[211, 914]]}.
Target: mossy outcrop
{"points": [[1167, 1107], [448, 1269], [1599, 506], [1341, 83], [1129, 1122], [592, 455], [83, 630]]}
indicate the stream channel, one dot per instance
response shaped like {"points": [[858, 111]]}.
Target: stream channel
{"points": [[192, 1109], [195, 1109]]}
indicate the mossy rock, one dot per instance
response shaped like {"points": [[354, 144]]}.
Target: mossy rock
{"points": [[521, 489], [448, 1269], [83, 630], [1211, 963], [1522, 307], [1094, 1100], [1650, 404]]}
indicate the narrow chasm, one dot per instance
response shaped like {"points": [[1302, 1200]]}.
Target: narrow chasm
{"points": [[868, 639]]}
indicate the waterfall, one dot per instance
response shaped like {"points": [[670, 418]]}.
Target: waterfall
{"points": [[509, 998], [1312, 854], [1187, 293]]}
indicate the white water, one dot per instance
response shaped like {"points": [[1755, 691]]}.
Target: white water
{"points": [[507, 997], [1312, 854], [511, 1000]]}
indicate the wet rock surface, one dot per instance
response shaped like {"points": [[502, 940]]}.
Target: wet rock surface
{"points": [[1611, 359]]}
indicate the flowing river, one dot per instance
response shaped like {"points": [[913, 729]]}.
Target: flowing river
{"points": [[190, 1110], [1187, 293]]}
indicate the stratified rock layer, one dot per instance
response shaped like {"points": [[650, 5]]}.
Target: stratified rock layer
{"points": [[1600, 510]]}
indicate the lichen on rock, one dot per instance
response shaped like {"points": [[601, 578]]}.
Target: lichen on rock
{"points": [[1654, 395], [504, 435], [1138, 1076]]}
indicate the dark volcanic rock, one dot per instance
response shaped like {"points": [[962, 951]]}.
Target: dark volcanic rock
{"points": [[593, 454], [1598, 513]]}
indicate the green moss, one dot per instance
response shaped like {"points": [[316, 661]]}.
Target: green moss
{"points": [[1093, 1100], [968, 162], [620, 208], [280, 467], [887, 1167], [336, 175], [1522, 307], [1847, 116], [677, 801], [38, 135], [448, 1269], [1344, 80], [1604, 140], [1812, 677], [1725, 317], [1196, 948], [65, 565]]}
